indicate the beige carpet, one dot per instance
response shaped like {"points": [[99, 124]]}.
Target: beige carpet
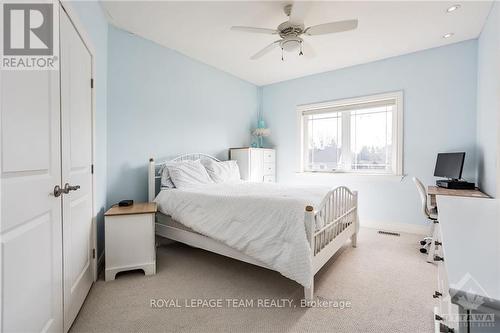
{"points": [[386, 279]]}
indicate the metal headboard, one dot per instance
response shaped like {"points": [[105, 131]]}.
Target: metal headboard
{"points": [[154, 167], [192, 157]]}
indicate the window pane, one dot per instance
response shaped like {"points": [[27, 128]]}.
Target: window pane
{"points": [[371, 139], [324, 135]]}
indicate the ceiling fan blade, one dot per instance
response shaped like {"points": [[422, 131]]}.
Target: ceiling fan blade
{"points": [[307, 50], [328, 28], [256, 30], [299, 11], [265, 50]]}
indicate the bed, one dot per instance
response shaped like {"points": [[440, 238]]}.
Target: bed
{"points": [[292, 230]]}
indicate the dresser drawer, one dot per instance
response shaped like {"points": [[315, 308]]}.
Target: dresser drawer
{"points": [[269, 156], [269, 169], [269, 179]]}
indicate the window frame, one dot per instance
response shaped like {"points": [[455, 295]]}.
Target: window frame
{"points": [[345, 104]]}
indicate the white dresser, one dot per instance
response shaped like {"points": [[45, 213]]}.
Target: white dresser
{"points": [[256, 164]]}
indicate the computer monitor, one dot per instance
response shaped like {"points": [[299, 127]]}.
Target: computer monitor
{"points": [[449, 165]]}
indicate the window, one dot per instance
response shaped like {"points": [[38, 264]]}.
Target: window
{"points": [[362, 135]]}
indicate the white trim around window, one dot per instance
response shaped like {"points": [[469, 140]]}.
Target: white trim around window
{"points": [[343, 109]]}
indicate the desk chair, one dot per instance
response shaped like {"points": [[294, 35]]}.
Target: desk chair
{"points": [[431, 213]]}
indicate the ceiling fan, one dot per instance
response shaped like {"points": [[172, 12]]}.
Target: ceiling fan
{"points": [[291, 31]]}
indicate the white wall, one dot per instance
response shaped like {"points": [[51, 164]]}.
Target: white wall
{"points": [[439, 115], [488, 104], [440, 88]]}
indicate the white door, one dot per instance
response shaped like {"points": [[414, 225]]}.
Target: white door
{"points": [[30, 225], [76, 134]]}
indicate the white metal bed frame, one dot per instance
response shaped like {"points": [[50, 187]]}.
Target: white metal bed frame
{"points": [[337, 214]]}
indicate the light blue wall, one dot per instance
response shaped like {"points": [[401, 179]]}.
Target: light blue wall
{"points": [[488, 103], [162, 103], [159, 103], [439, 115], [96, 26]]}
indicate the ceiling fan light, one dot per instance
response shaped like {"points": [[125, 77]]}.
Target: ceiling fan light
{"points": [[290, 44]]}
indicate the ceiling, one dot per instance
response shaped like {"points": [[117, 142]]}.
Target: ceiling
{"points": [[201, 30]]}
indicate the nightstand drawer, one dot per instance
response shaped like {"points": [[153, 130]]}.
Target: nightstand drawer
{"points": [[127, 238]]}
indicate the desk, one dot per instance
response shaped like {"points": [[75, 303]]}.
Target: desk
{"points": [[434, 191], [469, 234]]}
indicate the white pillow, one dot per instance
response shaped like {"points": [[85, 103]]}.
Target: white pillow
{"points": [[166, 181], [223, 172], [188, 174]]}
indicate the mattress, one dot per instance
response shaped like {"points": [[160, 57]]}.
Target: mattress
{"points": [[264, 221]]}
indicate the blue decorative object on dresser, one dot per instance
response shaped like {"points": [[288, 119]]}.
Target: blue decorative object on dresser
{"points": [[260, 132]]}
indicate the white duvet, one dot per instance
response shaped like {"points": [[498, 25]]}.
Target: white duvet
{"points": [[264, 221]]}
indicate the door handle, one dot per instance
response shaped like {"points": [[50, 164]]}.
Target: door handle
{"points": [[67, 188], [57, 191]]}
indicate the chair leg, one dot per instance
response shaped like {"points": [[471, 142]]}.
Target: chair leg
{"points": [[432, 246]]}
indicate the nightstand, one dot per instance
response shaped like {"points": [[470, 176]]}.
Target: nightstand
{"points": [[130, 239]]}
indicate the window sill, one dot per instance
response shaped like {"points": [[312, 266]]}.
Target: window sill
{"points": [[353, 174]]}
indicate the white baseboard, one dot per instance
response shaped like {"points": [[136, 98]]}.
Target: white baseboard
{"points": [[397, 227]]}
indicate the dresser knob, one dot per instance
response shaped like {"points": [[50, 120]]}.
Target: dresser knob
{"points": [[437, 294], [438, 317], [438, 243], [438, 258]]}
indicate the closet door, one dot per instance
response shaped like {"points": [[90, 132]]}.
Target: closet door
{"points": [[76, 134], [30, 224]]}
